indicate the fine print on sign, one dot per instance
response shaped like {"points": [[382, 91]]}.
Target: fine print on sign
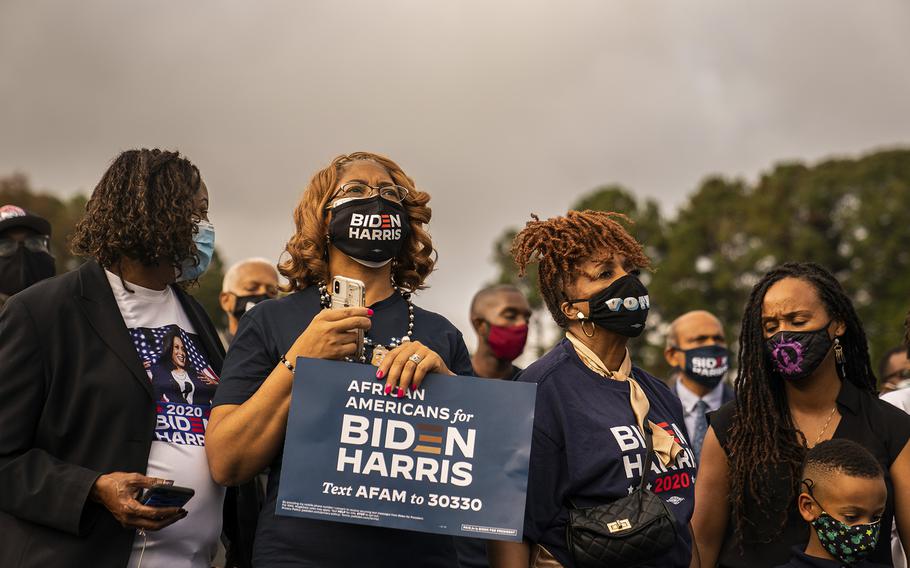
{"points": [[449, 458]]}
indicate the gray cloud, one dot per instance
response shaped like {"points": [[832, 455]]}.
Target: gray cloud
{"points": [[497, 108]]}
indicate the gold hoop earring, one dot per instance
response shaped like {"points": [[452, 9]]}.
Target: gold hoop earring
{"points": [[585, 331]]}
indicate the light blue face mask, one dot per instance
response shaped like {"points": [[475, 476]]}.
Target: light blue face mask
{"points": [[205, 248]]}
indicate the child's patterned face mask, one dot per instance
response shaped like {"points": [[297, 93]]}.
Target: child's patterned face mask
{"points": [[849, 544]]}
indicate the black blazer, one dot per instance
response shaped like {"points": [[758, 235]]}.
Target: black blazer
{"points": [[75, 402]]}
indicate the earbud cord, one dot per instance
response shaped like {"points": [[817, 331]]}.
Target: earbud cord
{"points": [[145, 540]]}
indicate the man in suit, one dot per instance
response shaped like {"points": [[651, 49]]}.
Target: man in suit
{"points": [[83, 428], [697, 350]]}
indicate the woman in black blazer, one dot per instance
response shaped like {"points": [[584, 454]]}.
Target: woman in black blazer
{"points": [[77, 408]]}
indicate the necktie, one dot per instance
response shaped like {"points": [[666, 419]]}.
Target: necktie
{"points": [[701, 427]]}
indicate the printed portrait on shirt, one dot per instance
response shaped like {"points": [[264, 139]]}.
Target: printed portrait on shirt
{"points": [[176, 365]]}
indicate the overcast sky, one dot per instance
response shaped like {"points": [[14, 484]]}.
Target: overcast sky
{"points": [[498, 109]]}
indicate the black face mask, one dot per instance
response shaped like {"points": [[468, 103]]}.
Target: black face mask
{"points": [[371, 231], [24, 268], [622, 307], [243, 304], [707, 365], [796, 354]]}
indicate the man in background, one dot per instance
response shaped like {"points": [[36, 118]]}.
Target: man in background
{"points": [[894, 369], [25, 256], [499, 316], [245, 284], [697, 350]]}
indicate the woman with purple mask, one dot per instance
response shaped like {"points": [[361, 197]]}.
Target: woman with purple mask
{"points": [[804, 377]]}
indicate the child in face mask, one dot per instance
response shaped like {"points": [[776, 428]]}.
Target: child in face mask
{"points": [[843, 497]]}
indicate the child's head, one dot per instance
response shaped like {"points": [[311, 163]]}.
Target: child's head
{"points": [[843, 498]]}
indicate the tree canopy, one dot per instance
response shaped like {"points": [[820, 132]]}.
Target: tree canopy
{"points": [[849, 215]]}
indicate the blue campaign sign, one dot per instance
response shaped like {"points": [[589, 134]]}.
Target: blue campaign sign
{"points": [[450, 458]]}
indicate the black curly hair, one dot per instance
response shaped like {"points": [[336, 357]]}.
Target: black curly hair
{"points": [[763, 436], [142, 209]]}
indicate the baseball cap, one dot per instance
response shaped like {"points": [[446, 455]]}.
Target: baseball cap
{"points": [[15, 216]]}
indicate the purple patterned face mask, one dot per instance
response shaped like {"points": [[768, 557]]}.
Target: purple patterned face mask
{"points": [[796, 354]]}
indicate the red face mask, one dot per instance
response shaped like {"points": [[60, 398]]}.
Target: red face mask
{"points": [[507, 343]]}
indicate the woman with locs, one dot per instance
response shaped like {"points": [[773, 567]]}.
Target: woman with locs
{"points": [[593, 407], [804, 377], [247, 426]]}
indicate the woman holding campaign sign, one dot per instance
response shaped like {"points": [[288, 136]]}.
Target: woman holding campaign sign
{"points": [[611, 479], [360, 218]]}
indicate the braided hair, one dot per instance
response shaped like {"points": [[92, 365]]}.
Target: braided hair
{"points": [[763, 433], [142, 209], [559, 244]]}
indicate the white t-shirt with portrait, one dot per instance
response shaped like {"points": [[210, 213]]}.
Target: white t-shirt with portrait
{"points": [[184, 383]]}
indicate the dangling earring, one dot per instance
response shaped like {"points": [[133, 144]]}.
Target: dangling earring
{"points": [[839, 357], [581, 317]]}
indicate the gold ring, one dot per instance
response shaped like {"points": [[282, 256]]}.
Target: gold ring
{"points": [[415, 358]]}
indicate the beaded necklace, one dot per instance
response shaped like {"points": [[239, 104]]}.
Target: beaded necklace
{"points": [[325, 300]]}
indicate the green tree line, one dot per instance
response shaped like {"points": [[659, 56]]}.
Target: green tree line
{"points": [[63, 213], [850, 215]]}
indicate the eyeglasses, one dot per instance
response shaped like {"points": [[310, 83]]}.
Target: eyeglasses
{"points": [[357, 190], [34, 243]]}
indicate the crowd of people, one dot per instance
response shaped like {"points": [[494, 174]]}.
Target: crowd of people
{"points": [[113, 380]]}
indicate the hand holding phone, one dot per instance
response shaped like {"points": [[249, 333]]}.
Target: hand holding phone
{"points": [[338, 332], [117, 492], [349, 293]]}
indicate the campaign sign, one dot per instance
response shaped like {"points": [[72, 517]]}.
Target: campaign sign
{"points": [[448, 458]]}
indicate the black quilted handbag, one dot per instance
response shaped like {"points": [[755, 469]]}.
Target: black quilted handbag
{"points": [[625, 533]]}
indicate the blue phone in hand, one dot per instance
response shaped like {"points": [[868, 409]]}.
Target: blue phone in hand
{"points": [[166, 496]]}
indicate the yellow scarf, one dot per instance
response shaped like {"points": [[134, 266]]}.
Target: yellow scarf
{"points": [[665, 445]]}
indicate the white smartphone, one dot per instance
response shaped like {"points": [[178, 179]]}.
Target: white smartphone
{"points": [[349, 293]]}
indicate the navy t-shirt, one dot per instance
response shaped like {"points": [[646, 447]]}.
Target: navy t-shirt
{"points": [[587, 447], [265, 334]]}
